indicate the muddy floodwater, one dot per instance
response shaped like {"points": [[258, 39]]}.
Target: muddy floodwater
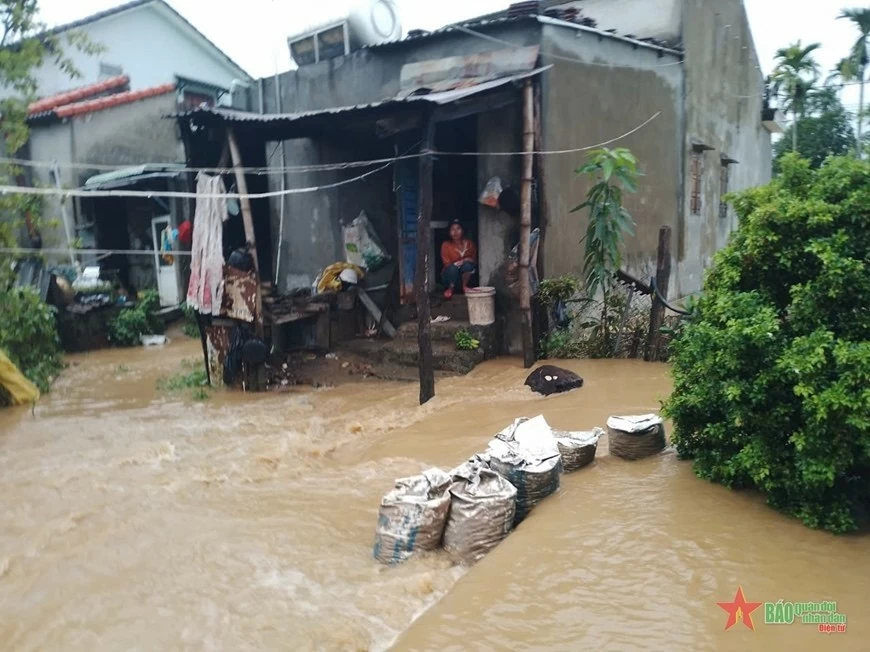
{"points": [[133, 519]]}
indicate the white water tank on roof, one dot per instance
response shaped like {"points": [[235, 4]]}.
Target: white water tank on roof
{"points": [[346, 25]]}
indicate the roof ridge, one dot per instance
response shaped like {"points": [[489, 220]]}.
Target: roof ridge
{"points": [[118, 99], [135, 4], [78, 93]]}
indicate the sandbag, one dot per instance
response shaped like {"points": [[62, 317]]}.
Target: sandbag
{"points": [[362, 246], [577, 448], [527, 455], [482, 508], [412, 516], [549, 380], [636, 437]]}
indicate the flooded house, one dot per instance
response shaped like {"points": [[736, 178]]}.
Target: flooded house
{"points": [[344, 133]]}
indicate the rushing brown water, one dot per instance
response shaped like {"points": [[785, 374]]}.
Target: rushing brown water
{"points": [[138, 520]]}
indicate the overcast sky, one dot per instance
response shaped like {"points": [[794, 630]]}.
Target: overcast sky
{"points": [[254, 32]]}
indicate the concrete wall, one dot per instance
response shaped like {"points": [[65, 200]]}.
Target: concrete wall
{"points": [[659, 19], [124, 135], [585, 104], [151, 45], [723, 111]]}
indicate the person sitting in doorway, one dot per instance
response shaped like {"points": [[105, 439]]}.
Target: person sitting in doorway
{"points": [[459, 256]]}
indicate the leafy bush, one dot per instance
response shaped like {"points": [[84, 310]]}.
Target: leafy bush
{"points": [[189, 326], [132, 323], [194, 378], [28, 335], [465, 341], [554, 290], [771, 375]]}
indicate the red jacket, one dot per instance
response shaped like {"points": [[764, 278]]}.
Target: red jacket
{"points": [[452, 253]]}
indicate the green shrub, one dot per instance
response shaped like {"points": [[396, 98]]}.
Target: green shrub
{"points": [[28, 335], [561, 288], [189, 326], [132, 323], [772, 373]]}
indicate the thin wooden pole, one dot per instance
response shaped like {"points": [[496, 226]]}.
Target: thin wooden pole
{"points": [[663, 278], [248, 220], [540, 316], [424, 244], [526, 223]]}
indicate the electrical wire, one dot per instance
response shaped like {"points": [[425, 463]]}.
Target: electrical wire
{"points": [[148, 194]]}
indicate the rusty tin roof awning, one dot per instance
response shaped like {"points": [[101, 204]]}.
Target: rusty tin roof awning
{"points": [[427, 86]]}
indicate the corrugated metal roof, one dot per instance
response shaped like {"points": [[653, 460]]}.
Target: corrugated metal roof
{"points": [[500, 18], [437, 98], [127, 176]]}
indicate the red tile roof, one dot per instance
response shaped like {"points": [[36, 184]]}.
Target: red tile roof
{"points": [[78, 94], [90, 106]]}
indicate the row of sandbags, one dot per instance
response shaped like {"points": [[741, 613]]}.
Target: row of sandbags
{"points": [[471, 509]]}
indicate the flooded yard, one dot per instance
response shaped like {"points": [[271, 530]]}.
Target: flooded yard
{"points": [[142, 520]]}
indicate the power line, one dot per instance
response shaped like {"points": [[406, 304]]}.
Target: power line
{"points": [[148, 194], [96, 252]]}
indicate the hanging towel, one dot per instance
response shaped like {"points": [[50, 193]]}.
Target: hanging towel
{"points": [[206, 289]]}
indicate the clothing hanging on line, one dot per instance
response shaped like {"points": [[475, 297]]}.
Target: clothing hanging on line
{"points": [[206, 289]]}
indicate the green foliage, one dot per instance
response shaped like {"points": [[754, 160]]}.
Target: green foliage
{"points": [[189, 326], [134, 322], [561, 344], [827, 132], [554, 290], [190, 379], [465, 341], [28, 335], [194, 377], [613, 171], [772, 375]]}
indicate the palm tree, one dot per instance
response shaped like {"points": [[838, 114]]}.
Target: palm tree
{"points": [[860, 58], [794, 77], [843, 73]]}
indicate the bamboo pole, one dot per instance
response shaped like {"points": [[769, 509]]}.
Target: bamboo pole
{"points": [[526, 223], [424, 244], [248, 220], [663, 278]]}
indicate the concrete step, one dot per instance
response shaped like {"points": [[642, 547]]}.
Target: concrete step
{"points": [[456, 308], [441, 332], [445, 356]]}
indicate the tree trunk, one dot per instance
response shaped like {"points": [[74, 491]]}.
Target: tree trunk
{"points": [[860, 132], [526, 223], [424, 244], [794, 134], [663, 277]]}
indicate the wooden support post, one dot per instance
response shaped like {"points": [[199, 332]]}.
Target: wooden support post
{"points": [[663, 278], [248, 219], [424, 243], [526, 223]]}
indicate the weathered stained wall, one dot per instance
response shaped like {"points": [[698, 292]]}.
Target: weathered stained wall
{"points": [[723, 111], [586, 104], [498, 232], [123, 135]]}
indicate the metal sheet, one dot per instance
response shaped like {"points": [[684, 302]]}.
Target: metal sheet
{"points": [[467, 71]]}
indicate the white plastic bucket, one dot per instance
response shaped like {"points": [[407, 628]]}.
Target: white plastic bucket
{"points": [[481, 305]]}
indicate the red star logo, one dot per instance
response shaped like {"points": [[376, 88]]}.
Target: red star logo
{"points": [[739, 609]]}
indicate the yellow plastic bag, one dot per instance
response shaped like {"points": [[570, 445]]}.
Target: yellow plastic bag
{"points": [[20, 390]]}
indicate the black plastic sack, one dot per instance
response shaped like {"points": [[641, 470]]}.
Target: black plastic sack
{"points": [[549, 380]]}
